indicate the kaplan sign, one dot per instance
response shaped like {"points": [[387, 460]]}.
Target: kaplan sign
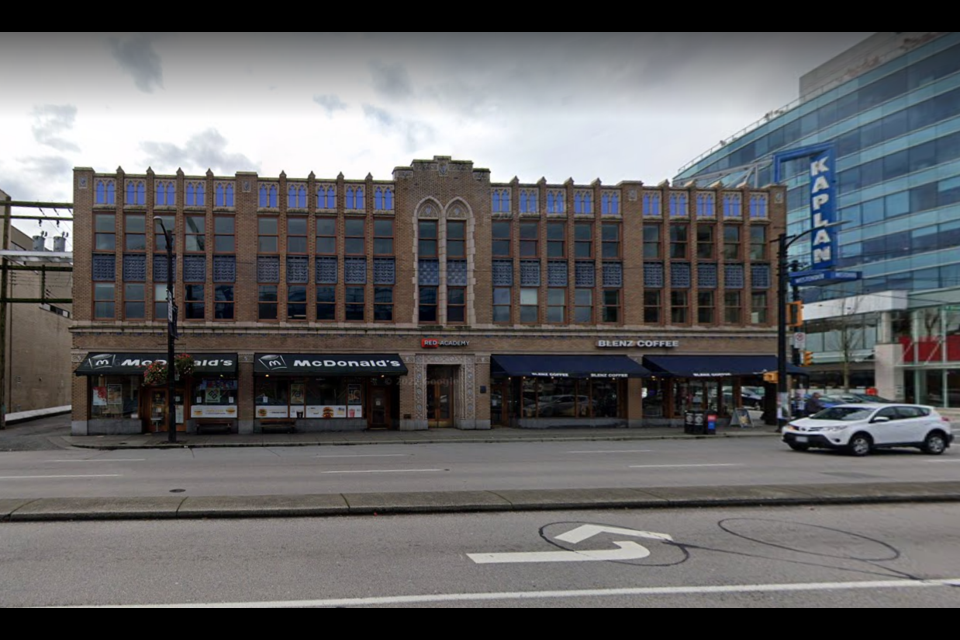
{"points": [[823, 209]]}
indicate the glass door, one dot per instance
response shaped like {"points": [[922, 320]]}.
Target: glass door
{"points": [[439, 403]]}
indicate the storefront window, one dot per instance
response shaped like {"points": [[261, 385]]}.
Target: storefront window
{"points": [[271, 397], [558, 399], [654, 397], [606, 399], [114, 397], [214, 398], [566, 398]]}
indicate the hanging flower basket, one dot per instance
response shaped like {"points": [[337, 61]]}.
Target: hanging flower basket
{"points": [[156, 373]]}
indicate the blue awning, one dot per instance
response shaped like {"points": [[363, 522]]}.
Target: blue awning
{"points": [[715, 366], [548, 366]]}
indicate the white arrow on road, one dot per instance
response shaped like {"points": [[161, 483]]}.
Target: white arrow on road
{"points": [[628, 550]]}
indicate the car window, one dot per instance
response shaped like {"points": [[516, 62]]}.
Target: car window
{"points": [[846, 414], [906, 413], [889, 412]]}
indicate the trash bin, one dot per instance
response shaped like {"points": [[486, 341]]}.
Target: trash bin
{"points": [[694, 423]]}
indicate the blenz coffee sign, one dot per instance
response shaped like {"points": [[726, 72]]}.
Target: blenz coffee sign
{"points": [[638, 344]]}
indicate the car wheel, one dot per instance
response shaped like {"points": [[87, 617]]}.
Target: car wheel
{"points": [[935, 444], [860, 445], [799, 447]]}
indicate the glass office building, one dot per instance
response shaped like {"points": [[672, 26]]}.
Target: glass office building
{"points": [[891, 108]]}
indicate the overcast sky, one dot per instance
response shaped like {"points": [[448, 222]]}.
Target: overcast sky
{"points": [[623, 106]]}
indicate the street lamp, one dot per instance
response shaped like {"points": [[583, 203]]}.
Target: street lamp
{"points": [[784, 242], [171, 336]]}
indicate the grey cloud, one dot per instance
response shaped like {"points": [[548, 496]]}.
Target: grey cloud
{"points": [[205, 150], [330, 103], [51, 120], [137, 57], [391, 80], [415, 134]]}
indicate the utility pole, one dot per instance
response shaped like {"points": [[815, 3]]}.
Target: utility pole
{"points": [[171, 337], [3, 315]]}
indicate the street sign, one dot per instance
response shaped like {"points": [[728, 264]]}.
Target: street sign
{"points": [[799, 340], [627, 549], [823, 277]]}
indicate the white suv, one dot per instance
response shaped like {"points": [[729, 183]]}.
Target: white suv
{"points": [[860, 428]]}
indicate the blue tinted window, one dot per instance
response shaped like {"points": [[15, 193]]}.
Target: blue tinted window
{"points": [[936, 66], [873, 211], [897, 204], [896, 165], [871, 134], [851, 215], [894, 125], [923, 197], [848, 143]]}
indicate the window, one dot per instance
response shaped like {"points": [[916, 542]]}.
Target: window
{"points": [[758, 242], [383, 304], [196, 197], [528, 201], [133, 301], [611, 305], [382, 237], [529, 239], [354, 198], [159, 239], [223, 302], [428, 239], [355, 242], [651, 241], [583, 306], [732, 312], [355, 298], [296, 302], [326, 197], [194, 301], [651, 204], [583, 239], [160, 310], [457, 305], [706, 205], [555, 202], [105, 236], [610, 203], [529, 306], [610, 239], [759, 206], [705, 242], [383, 199], [195, 238], [296, 196], [428, 304], [678, 205], [326, 304], [134, 232], [501, 239], [456, 239], [136, 192], [224, 195], [556, 306], [165, 194], [583, 203], [268, 196], [732, 205], [705, 304], [651, 307], [106, 192], [268, 239], [297, 235], [223, 238], [758, 308], [326, 236], [678, 241], [501, 305], [556, 240], [501, 201], [678, 307], [267, 302], [731, 242]]}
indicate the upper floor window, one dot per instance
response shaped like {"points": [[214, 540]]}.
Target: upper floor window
{"points": [[224, 229], [500, 200], [501, 239], [651, 241], [679, 205], [678, 241], [528, 201], [159, 237], [106, 192], [354, 198], [268, 196], [165, 191], [651, 205], [268, 232], [297, 238], [456, 239], [529, 239], [583, 239], [383, 199], [556, 240], [705, 241], [195, 237], [224, 195], [355, 236], [611, 240], [105, 232], [195, 194], [555, 202], [297, 196], [759, 204], [383, 237], [583, 203], [136, 192], [610, 203], [326, 197], [327, 236], [134, 232], [706, 205], [758, 242], [731, 242], [427, 245], [732, 203]]}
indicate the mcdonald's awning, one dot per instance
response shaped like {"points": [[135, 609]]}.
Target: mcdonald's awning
{"points": [[132, 364], [326, 364]]}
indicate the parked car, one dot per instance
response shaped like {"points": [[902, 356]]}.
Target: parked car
{"points": [[860, 428]]}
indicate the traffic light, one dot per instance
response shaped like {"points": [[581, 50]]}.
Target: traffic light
{"points": [[795, 314], [807, 358]]}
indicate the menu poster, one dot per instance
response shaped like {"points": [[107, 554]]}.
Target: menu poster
{"points": [[212, 395], [296, 394], [115, 394], [355, 412], [354, 394], [99, 396], [326, 412], [272, 412]]}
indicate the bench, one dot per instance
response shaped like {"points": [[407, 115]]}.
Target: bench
{"points": [[287, 425], [220, 425]]}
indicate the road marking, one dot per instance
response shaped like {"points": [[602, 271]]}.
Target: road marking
{"points": [[628, 550], [102, 460], [384, 471], [546, 595], [367, 455], [680, 466], [621, 451], [111, 475]]}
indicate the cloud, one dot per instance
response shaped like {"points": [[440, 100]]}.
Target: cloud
{"points": [[391, 81], [205, 150], [415, 134], [137, 57], [330, 103], [51, 120]]}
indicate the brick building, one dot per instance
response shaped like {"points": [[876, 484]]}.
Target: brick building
{"points": [[434, 299]]}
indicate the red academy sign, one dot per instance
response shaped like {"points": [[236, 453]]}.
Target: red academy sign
{"points": [[435, 343]]}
